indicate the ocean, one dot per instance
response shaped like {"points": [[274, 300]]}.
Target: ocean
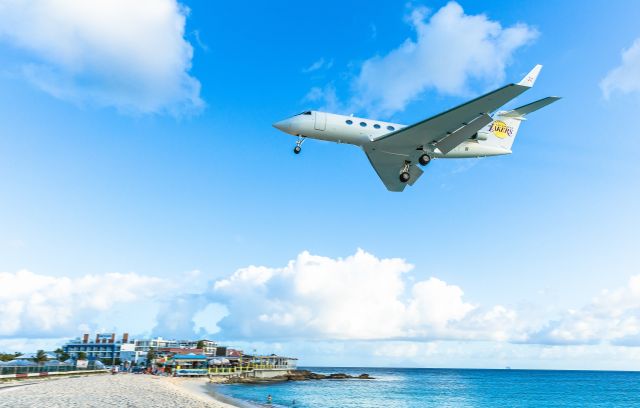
{"points": [[413, 388]]}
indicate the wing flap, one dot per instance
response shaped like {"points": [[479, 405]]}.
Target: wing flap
{"points": [[451, 141]]}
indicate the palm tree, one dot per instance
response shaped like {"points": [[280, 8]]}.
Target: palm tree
{"points": [[151, 355], [82, 355], [41, 357]]}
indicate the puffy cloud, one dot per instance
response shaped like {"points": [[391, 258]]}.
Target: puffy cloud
{"points": [[312, 298], [450, 50], [358, 297], [613, 316], [129, 55], [40, 305], [626, 77]]}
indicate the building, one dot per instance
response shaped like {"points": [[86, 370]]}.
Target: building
{"points": [[103, 347], [144, 345], [208, 346]]}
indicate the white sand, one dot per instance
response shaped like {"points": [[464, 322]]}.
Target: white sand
{"points": [[122, 390]]}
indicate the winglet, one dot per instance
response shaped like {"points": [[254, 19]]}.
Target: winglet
{"points": [[530, 78]]}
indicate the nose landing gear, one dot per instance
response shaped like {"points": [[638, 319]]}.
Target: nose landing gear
{"points": [[298, 147]]}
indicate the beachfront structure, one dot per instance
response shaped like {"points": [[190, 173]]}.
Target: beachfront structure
{"points": [[198, 364], [255, 366], [103, 347], [106, 347], [184, 365]]}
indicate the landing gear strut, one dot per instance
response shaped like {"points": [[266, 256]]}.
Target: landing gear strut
{"points": [[404, 173], [424, 159], [298, 147]]}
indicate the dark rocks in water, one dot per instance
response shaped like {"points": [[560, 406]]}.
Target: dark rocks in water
{"points": [[339, 376], [303, 375], [298, 375]]}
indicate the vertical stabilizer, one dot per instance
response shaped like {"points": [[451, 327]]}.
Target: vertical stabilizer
{"points": [[502, 131]]}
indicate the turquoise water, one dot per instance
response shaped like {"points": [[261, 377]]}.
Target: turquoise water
{"points": [[409, 388]]}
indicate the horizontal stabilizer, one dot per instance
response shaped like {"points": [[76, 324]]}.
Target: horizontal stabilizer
{"points": [[530, 107]]}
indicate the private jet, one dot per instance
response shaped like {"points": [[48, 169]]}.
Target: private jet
{"points": [[396, 152]]}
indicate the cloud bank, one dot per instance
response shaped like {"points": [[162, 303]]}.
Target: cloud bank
{"points": [[109, 53], [625, 78], [450, 51], [356, 299]]}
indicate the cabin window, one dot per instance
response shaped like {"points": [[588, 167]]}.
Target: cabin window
{"points": [[363, 124], [376, 126], [390, 128], [349, 122]]}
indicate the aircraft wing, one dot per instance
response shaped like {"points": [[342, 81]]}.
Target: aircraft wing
{"points": [[388, 166], [444, 131]]}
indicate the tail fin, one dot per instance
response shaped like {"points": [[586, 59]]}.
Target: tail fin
{"points": [[502, 131]]}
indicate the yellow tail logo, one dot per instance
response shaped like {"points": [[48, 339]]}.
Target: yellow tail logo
{"points": [[501, 129]]}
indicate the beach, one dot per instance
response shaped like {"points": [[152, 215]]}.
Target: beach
{"points": [[123, 390]]}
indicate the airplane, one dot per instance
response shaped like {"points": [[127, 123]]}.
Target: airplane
{"points": [[473, 129]]}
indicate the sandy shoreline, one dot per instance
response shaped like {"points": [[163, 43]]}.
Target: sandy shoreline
{"points": [[130, 390]]}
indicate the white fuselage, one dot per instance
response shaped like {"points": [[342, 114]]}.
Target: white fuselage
{"points": [[360, 131]]}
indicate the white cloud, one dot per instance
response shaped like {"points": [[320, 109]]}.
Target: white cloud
{"points": [[625, 78], [318, 65], [129, 55], [450, 50], [339, 304], [40, 305], [326, 97], [358, 297], [613, 316]]}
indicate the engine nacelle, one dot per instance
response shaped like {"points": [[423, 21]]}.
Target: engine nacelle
{"points": [[479, 136]]}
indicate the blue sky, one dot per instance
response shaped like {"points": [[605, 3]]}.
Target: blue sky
{"points": [[151, 155]]}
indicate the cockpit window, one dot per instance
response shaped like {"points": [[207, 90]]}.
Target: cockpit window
{"points": [[304, 113]]}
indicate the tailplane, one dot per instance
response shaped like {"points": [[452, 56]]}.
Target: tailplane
{"points": [[502, 131]]}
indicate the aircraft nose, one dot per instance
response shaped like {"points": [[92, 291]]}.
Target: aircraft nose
{"points": [[283, 125]]}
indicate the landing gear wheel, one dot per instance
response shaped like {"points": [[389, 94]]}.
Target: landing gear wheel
{"points": [[405, 176], [424, 159], [297, 149]]}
